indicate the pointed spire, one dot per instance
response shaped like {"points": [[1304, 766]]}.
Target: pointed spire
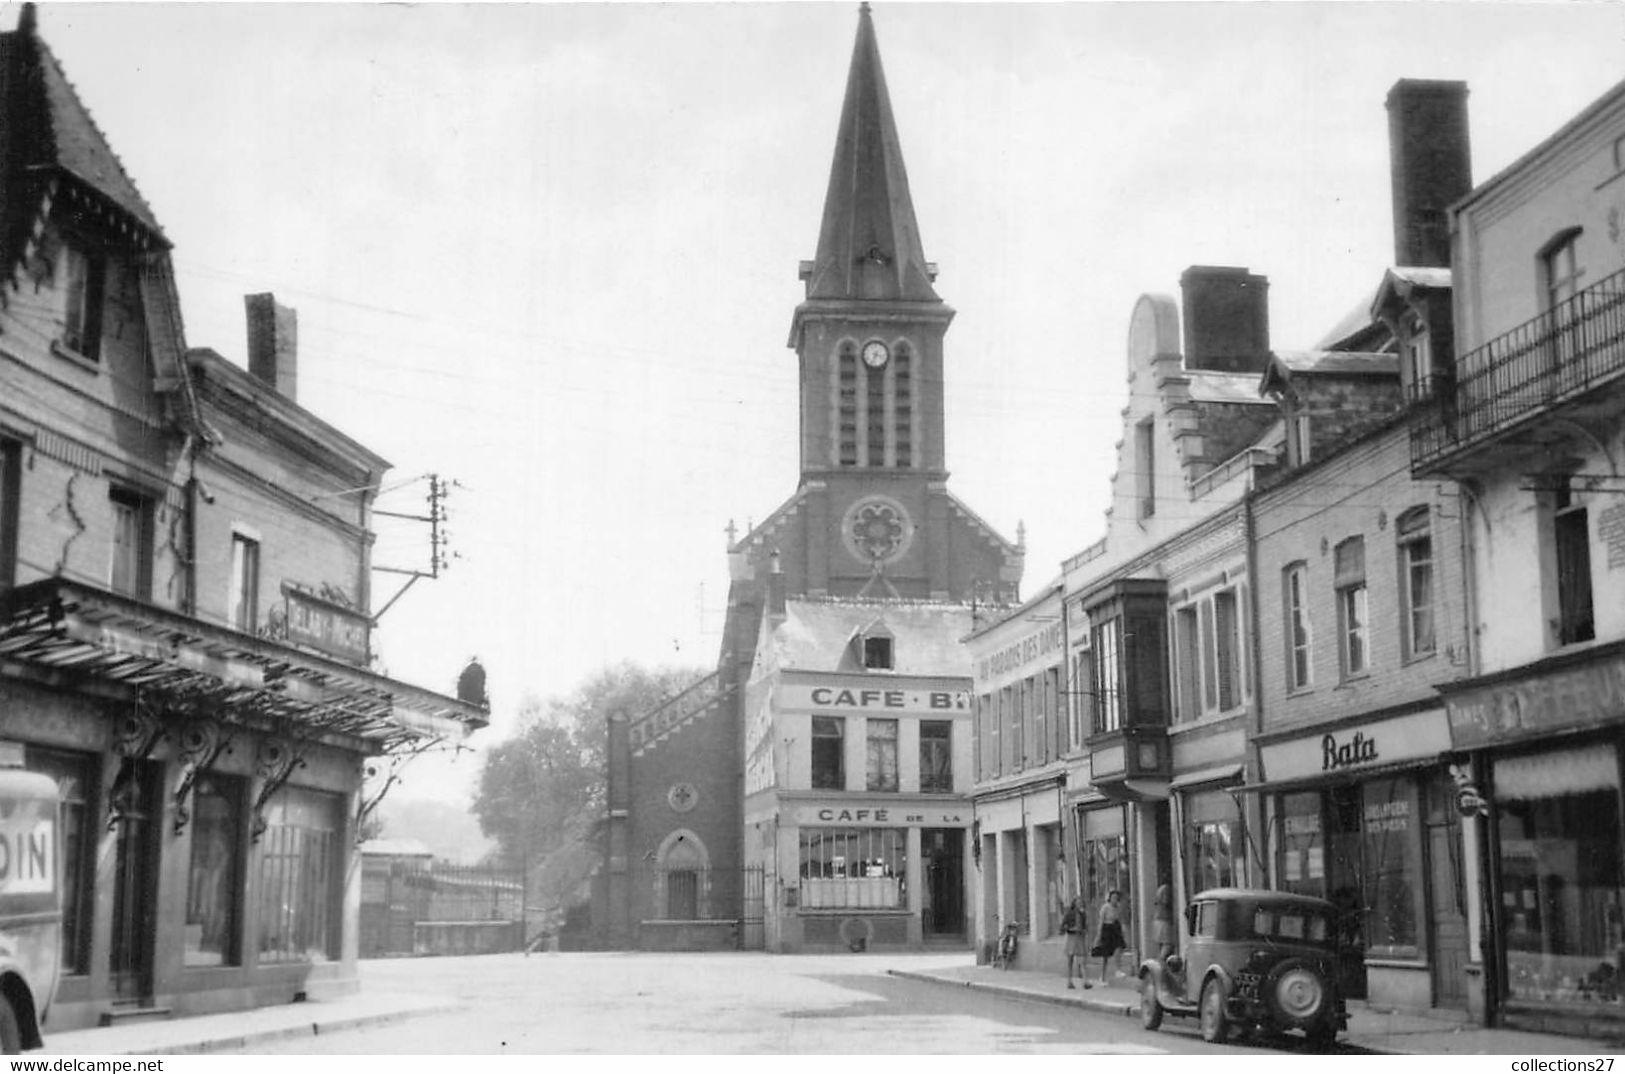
{"points": [[869, 243]]}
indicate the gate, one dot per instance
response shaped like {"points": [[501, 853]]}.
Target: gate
{"points": [[752, 904]]}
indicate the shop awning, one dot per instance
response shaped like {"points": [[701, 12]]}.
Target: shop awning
{"points": [[67, 629], [1337, 777], [1225, 773]]}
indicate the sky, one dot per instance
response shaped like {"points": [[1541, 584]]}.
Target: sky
{"points": [[549, 251]]}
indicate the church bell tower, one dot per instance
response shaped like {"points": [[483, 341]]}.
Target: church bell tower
{"points": [[869, 332]]}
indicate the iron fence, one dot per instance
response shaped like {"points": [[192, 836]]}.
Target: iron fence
{"points": [[1550, 359], [416, 907]]}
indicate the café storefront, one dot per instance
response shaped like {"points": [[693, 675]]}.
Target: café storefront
{"points": [[1363, 814], [1544, 744]]}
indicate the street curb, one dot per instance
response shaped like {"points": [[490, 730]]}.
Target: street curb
{"points": [[1104, 1006], [302, 1029]]}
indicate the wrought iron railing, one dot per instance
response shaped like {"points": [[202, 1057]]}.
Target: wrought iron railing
{"points": [[1549, 359]]}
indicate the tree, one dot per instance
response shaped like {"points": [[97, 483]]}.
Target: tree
{"points": [[542, 792]]}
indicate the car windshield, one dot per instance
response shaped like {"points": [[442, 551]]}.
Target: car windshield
{"points": [[1291, 924]]}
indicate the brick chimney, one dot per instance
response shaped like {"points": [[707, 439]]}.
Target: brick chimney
{"points": [[1227, 319], [273, 343], [1431, 164]]}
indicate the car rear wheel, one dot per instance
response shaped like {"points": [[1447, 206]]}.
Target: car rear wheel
{"points": [[1215, 1023], [1150, 1006]]}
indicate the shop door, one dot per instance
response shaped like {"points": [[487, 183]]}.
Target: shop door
{"points": [[1345, 871], [944, 852], [135, 829], [1447, 897]]}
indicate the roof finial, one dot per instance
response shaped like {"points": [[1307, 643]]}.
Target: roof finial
{"points": [[27, 20], [863, 8]]}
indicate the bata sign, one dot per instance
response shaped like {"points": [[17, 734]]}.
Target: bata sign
{"points": [[1419, 736], [838, 698]]}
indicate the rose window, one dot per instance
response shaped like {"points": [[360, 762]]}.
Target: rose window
{"points": [[877, 530]]}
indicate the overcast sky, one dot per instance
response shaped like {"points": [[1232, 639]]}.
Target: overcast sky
{"points": [[550, 250]]}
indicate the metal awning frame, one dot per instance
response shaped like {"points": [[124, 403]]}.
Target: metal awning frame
{"points": [[191, 666]]}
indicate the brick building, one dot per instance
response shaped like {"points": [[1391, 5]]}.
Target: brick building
{"points": [[184, 598]]}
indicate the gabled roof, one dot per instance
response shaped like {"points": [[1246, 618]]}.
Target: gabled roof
{"points": [[1355, 330], [869, 243], [48, 138], [816, 635], [1289, 365]]}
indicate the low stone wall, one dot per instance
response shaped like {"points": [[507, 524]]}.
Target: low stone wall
{"points": [[688, 935], [465, 937]]}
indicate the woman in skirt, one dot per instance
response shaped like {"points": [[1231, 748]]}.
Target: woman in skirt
{"points": [[1109, 943], [1074, 925]]}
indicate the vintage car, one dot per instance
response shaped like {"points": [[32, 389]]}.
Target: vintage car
{"points": [[1258, 962]]}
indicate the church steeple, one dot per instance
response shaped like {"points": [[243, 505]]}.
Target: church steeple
{"points": [[869, 243]]}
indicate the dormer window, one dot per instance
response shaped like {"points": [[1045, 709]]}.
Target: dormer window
{"points": [[877, 652], [1416, 350], [86, 288]]}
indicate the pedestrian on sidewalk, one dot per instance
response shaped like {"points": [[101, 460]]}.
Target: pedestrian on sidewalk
{"points": [[1162, 920], [1075, 926], [1109, 942]]}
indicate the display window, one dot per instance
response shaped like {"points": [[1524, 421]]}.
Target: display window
{"points": [[854, 868], [1560, 875]]}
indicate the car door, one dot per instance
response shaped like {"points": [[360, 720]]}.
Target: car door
{"points": [[1203, 920]]}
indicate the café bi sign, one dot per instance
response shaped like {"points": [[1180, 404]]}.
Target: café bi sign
{"points": [[800, 698]]}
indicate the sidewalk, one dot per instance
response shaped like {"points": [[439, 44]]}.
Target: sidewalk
{"points": [[240, 1029], [1385, 1032]]}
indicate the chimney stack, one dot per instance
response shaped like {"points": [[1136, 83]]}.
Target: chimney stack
{"points": [[1431, 164], [273, 343], [1227, 319]]}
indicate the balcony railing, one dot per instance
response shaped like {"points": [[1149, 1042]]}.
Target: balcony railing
{"points": [[1550, 359]]}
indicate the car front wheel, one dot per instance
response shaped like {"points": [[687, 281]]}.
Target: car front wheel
{"points": [[1215, 1024], [1150, 1006]]}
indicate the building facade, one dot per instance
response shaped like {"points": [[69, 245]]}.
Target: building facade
{"points": [[858, 756], [1524, 412], [184, 601]]}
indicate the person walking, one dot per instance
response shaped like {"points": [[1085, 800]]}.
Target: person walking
{"points": [[1162, 920], [1109, 941], [1074, 926]]}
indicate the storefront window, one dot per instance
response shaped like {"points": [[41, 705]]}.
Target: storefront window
{"points": [[1302, 867], [1561, 876], [854, 868], [1103, 862], [72, 772], [1215, 842], [298, 879], [211, 893], [1391, 832]]}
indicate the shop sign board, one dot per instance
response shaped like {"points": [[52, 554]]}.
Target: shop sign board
{"points": [[327, 627], [881, 815], [881, 700], [1011, 661], [1381, 742], [1582, 695]]}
